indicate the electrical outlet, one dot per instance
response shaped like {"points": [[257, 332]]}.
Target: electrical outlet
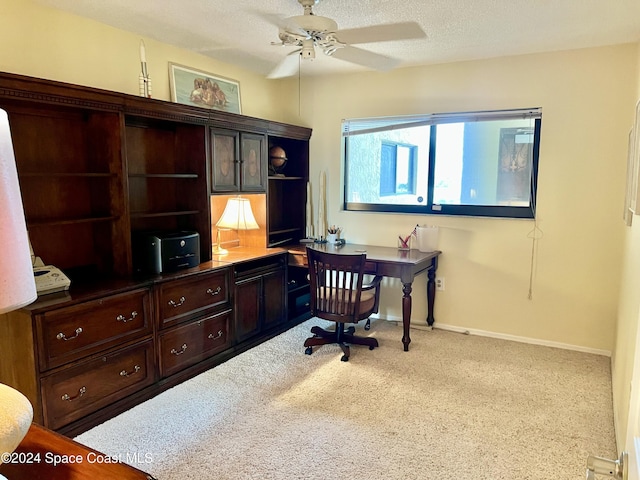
{"points": [[439, 283]]}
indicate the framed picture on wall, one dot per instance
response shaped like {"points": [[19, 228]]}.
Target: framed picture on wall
{"points": [[201, 89]]}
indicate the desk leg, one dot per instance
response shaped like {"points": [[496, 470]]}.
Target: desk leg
{"points": [[406, 314], [431, 290]]}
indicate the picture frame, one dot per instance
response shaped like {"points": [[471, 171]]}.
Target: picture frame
{"points": [[190, 86]]}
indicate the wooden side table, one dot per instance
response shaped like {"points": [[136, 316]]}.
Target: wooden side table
{"points": [[44, 454]]}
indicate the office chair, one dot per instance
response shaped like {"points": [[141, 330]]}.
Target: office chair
{"points": [[338, 294]]}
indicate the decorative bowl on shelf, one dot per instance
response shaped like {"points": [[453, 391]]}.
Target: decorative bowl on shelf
{"points": [[277, 161]]}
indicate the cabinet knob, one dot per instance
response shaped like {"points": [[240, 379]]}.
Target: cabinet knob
{"points": [[211, 336], [62, 336], [124, 373], [215, 292], [123, 319], [68, 398], [181, 351], [178, 303]]}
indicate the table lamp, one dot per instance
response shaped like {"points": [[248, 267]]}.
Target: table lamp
{"points": [[17, 284], [237, 215]]}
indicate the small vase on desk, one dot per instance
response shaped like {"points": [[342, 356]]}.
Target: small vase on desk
{"points": [[405, 244]]}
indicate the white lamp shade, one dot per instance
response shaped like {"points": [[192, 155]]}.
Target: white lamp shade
{"points": [[238, 215], [17, 284]]}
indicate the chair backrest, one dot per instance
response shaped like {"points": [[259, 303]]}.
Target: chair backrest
{"points": [[336, 285]]}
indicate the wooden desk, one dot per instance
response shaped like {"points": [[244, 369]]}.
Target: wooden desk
{"points": [[389, 262], [38, 452]]}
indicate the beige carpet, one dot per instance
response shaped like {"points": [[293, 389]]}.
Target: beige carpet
{"points": [[453, 407]]}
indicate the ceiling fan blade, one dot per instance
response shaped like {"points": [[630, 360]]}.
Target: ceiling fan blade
{"points": [[381, 33], [365, 58], [288, 66]]}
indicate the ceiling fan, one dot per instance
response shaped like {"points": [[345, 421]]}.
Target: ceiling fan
{"points": [[309, 31]]}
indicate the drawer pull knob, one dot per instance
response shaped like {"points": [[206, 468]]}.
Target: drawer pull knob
{"points": [[62, 336], [181, 351], [124, 373], [216, 336], [123, 319], [178, 303], [214, 292], [81, 392]]}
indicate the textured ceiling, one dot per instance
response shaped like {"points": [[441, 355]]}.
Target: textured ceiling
{"points": [[240, 32]]}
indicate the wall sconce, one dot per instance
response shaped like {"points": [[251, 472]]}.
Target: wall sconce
{"points": [[237, 215], [17, 284]]}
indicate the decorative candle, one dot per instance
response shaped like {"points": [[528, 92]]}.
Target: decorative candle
{"points": [[145, 81], [322, 218], [309, 231], [143, 54]]}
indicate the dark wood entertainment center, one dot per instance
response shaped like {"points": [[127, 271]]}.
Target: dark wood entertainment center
{"points": [[97, 167]]}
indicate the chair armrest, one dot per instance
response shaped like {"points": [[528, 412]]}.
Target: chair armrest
{"points": [[375, 283]]}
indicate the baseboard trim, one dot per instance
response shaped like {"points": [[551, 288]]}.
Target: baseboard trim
{"points": [[504, 336]]}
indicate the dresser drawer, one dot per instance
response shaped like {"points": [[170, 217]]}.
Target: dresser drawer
{"points": [[81, 389], [188, 344], [71, 333], [180, 299]]}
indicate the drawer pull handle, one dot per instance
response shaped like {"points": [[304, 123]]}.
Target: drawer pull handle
{"points": [[123, 319], [81, 392], [124, 373], [179, 303], [214, 292], [216, 336], [62, 336], [181, 351]]}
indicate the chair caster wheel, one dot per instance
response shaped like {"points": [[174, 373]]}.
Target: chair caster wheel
{"points": [[367, 326], [344, 358], [308, 351], [371, 347]]}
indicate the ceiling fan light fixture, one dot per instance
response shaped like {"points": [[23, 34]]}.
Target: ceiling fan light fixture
{"points": [[308, 51], [310, 30]]}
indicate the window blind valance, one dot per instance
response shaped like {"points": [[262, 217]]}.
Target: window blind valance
{"points": [[359, 126]]}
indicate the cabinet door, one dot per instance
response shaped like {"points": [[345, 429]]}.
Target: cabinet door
{"points": [[225, 149], [248, 299], [274, 302], [253, 162]]}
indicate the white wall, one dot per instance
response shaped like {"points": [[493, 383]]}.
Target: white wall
{"points": [[587, 99], [628, 313]]}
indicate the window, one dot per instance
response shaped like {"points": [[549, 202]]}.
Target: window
{"points": [[475, 163], [397, 167]]}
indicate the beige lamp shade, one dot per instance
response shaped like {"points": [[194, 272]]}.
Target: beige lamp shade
{"points": [[238, 215], [17, 284]]}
